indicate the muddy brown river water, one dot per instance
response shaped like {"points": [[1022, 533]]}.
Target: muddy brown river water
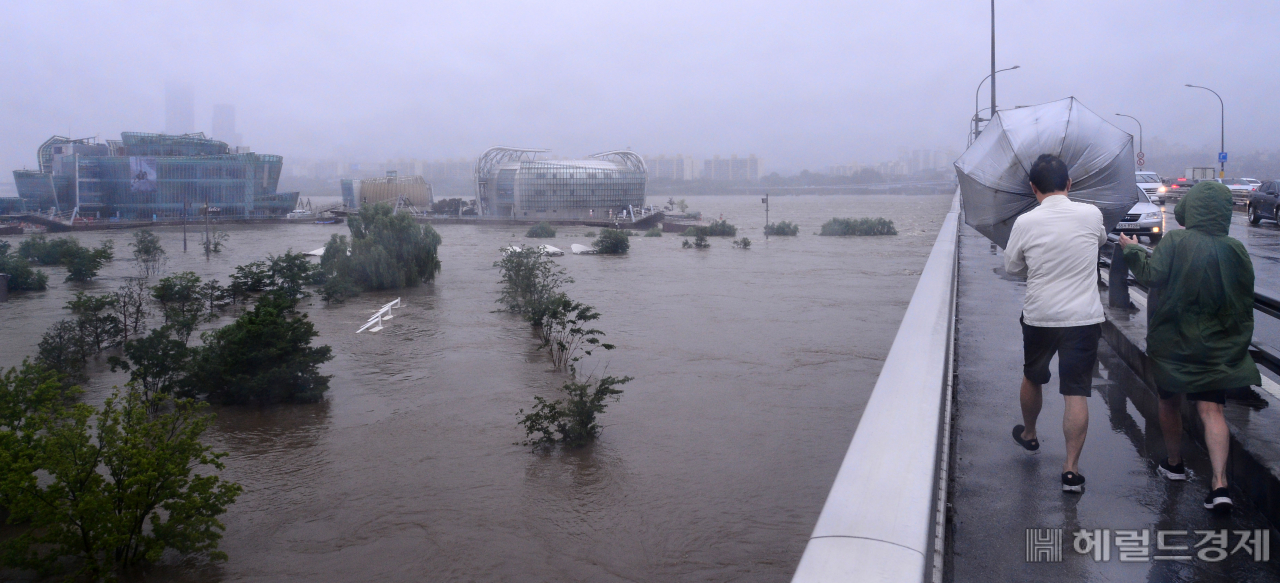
{"points": [[751, 369]]}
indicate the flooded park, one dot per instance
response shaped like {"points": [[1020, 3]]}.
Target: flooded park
{"points": [[751, 369]]}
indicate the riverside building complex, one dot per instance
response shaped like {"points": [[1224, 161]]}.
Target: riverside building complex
{"points": [[145, 176], [514, 182]]}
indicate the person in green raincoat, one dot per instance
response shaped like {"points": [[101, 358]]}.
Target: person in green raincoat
{"points": [[1199, 332]]}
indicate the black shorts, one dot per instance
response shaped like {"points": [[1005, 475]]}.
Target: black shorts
{"points": [[1218, 396], [1077, 350]]}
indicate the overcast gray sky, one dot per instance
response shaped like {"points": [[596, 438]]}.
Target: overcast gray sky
{"points": [[800, 84]]}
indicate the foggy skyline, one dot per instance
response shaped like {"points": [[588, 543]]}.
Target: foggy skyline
{"points": [[800, 86]]}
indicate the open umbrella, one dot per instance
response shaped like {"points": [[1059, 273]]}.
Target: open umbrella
{"points": [[994, 184]]}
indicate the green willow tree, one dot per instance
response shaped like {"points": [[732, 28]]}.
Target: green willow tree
{"points": [[387, 250]]}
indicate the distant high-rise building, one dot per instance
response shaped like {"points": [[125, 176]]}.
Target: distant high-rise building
{"points": [[677, 168], [224, 124], [734, 168], [179, 109]]}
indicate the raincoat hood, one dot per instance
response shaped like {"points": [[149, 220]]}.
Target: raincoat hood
{"points": [[1207, 208]]}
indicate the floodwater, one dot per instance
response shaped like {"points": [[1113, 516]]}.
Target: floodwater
{"points": [[751, 369]]}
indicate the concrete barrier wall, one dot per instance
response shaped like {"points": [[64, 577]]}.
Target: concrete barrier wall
{"points": [[878, 523]]}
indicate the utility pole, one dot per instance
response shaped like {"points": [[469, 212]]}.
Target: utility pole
{"points": [[766, 216], [993, 59], [1140, 154], [1222, 147], [208, 245]]}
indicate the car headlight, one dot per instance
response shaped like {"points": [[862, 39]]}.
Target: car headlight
{"points": [[1151, 216], [1162, 190]]}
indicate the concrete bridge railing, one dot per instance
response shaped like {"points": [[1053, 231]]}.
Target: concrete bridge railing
{"points": [[881, 519]]}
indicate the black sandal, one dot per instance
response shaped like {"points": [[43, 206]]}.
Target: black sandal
{"points": [[1028, 444]]}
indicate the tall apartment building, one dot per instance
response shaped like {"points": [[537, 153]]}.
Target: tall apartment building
{"points": [[734, 168], [677, 168]]}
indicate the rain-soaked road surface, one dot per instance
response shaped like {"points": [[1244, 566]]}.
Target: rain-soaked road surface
{"points": [[751, 369], [1000, 491]]}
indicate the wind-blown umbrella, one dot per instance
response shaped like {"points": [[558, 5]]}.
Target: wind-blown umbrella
{"points": [[994, 184]]}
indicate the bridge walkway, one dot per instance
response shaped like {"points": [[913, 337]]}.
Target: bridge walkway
{"points": [[998, 491]]}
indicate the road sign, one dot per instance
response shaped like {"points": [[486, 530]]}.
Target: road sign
{"points": [[1222, 157], [1140, 160]]}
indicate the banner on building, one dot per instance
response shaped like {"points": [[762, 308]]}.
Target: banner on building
{"points": [[143, 174]]}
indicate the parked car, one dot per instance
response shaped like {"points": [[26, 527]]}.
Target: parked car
{"points": [[1152, 184], [1143, 219], [1240, 189], [1263, 203], [1254, 181], [1176, 186]]}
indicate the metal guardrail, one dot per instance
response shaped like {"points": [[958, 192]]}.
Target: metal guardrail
{"points": [[1265, 301], [880, 520]]}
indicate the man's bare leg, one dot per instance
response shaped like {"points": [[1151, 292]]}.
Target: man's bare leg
{"points": [[1218, 438], [1075, 425], [1032, 399], [1171, 427]]}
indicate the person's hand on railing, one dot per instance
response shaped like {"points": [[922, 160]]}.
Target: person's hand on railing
{"points": [[1126, 240]]}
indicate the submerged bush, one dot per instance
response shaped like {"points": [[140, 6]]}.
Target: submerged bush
{"points": [[542, 230], [782, 229], [863, 227], [743, 243], [653, 232], [82, 263], [715, 229], [570, 421], [21, 276], [589, 234], [611, 242]]}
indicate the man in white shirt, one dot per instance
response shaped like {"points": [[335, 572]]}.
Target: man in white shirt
{"points": [[1055, 245]]}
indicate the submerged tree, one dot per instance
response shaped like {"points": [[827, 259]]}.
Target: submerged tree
{"points": [[782, 229], [21, 276], [82, 263], [131, 308], [157, 363], [858, 227], [565, 332], [542, 230], [148, 253], [611, 242], [387, 250], [530, 282], [573, 420], [114, 489], [213, 242], [264, 357]]}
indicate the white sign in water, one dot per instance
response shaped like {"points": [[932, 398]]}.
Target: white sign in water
{"points": [[382, 314]]}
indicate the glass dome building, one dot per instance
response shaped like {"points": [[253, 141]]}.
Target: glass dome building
{"points": [[513, 182]]}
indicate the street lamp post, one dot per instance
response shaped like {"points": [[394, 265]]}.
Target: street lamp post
{"points": [[978, 91], [1222, 147], [766, 216], [1140, 154]]}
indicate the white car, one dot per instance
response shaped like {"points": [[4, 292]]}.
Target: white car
{"points": [[1151, 184], [1143, 218], [1254, 181]]}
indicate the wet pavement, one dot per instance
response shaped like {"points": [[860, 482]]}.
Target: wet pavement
{"points": [[998, 491]]}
